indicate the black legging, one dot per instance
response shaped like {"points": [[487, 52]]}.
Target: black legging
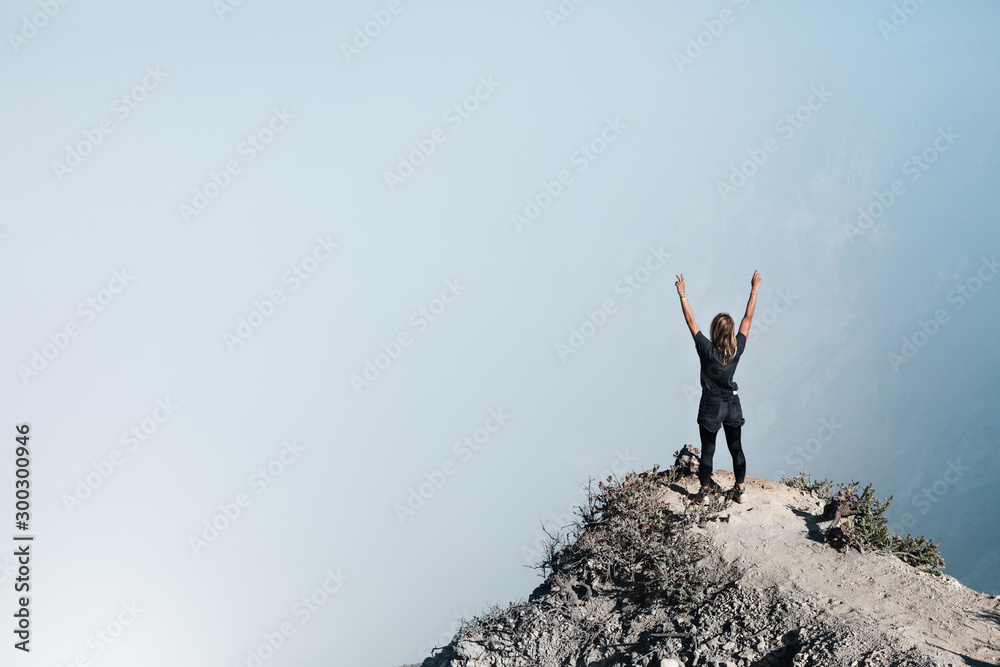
{"points": [[708, 451]]}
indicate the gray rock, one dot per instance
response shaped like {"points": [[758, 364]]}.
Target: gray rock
{"points": [[469, 650]]}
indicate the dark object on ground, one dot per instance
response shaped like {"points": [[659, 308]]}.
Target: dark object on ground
{"points": [[686, 461], [837, 509]]}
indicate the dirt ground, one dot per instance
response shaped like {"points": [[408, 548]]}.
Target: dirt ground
{"points": [[776, 595], [776, 540]]}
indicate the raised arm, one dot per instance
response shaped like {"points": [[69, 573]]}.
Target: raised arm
{"points": [[685, 306], [751, 304]]}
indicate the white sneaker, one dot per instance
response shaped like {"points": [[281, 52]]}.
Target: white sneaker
{"points": [[738, 494]]}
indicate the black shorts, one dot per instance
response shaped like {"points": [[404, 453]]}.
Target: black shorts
{"points": [[714, 410]]}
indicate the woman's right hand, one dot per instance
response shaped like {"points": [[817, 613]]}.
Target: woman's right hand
{"points": [[755, 281], [680, 282]]}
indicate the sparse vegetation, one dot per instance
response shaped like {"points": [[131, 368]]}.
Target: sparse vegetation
{"points": [[626, 538], [919, 552], [867, 530], [804, 482], [865, 527]]}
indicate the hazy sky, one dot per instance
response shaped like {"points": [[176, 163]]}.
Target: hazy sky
{"points": [[315, 311]]}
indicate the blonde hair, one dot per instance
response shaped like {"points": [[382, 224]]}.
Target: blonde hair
{"points": [[724, 336]]}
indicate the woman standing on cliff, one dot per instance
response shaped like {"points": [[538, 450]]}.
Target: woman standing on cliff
{"points": [[720, 404]]}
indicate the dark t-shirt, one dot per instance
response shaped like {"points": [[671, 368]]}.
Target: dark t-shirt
{"points": [[713, 376]]}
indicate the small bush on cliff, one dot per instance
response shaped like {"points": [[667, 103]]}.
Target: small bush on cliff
{"points": [[626, 538], [868, 530], [804, 482]]}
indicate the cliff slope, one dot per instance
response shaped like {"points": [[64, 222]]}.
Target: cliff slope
{"points": [[772, 592]]}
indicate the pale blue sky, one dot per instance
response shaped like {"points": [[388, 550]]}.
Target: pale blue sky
{"points": [[834, 304]]}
